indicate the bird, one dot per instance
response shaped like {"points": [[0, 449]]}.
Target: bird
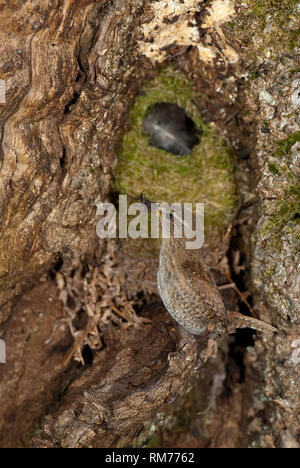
{"points": [[189, 292]]}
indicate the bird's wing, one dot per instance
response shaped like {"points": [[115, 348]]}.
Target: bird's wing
{"points": [[200, 279]]}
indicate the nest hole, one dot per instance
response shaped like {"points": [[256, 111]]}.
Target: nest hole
{"points": [[170, 128]]}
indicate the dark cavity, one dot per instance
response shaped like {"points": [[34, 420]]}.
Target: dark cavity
{"points": [[171, 129]]}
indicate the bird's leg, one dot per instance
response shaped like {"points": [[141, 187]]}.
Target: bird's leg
{"points": [[202, 342], [238, 320]]}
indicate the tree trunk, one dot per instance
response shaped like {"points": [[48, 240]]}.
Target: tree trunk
{"points": [[69, 74]]}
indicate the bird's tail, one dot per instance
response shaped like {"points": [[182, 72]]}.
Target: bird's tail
{"points": [[238, 320]]}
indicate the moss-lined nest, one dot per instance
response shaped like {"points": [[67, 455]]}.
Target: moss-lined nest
{"points": [[206, 175]]}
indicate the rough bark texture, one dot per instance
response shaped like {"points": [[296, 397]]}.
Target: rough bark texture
{"points": [[72, 69], [67, 94], [274, 367]]}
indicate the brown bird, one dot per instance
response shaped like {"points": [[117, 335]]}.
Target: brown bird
{"points": [[189, 292]]}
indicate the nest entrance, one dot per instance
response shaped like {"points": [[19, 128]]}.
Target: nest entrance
{"points": [[170, 128]]}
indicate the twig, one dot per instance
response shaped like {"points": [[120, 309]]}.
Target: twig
{"points": [[227, 286], [242, 295], [78, 342]]}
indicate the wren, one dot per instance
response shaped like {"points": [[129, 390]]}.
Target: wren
{"points": [[189, 292]]}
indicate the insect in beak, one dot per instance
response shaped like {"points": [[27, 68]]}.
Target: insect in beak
{"points": [[143, 199]]}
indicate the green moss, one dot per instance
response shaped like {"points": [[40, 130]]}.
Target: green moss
{"points": [[207, 175], [269, 272], [231, 25], [287, 209], [276, 13], [294, 38], [254, 75], [273, 168], [285, 146], [295, 191], [154, 442], [281, 10]]}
